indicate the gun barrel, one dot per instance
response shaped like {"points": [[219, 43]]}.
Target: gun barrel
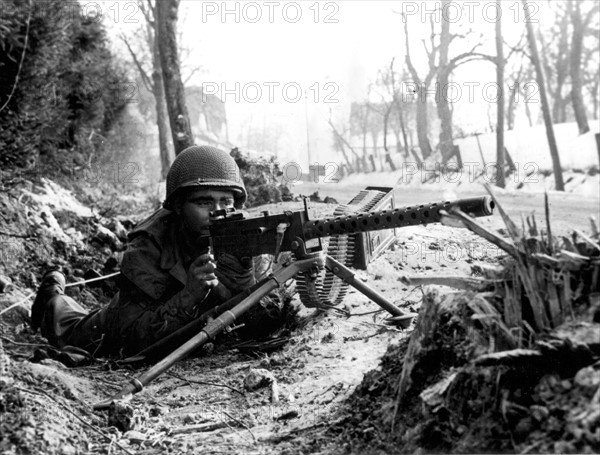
{"points": [[395, 218]]}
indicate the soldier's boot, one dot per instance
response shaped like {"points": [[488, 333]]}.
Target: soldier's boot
{"points": [[53, 283]]}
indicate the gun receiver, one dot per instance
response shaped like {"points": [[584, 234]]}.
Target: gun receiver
{"points": [[272, 234]]}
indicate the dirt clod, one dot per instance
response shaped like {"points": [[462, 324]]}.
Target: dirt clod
{"points": [[121, 415], [258, 378]]}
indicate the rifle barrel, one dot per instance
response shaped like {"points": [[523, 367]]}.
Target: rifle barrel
{"points": [[395, 218]]}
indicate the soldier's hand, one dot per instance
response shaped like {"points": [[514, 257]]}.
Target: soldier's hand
{"points": [[201, 277]]}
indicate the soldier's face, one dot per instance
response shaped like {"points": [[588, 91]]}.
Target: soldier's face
{"points": [[195, 210]]}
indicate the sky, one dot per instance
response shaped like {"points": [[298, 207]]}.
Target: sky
{"points": [[293, 64], [320, 54]]}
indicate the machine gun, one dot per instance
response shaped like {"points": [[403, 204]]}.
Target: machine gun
{"points": [[234, 233]]}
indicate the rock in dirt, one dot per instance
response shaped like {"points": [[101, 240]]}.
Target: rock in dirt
{"points": [[106, 237], [589, 377], [258, 378], [121, 415], [117, 227], [539, 413], [135, 437]]}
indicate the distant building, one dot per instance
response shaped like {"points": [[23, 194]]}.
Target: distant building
{"points": [[208, 117]]}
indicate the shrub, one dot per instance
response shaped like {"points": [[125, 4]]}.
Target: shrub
{"points": [[69, 84], [262, 179]]}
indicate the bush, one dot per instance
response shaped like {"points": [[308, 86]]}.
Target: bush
{"points": [[68, 85], [262, 179]]}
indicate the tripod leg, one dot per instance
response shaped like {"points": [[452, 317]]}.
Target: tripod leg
{"points": [[347, 275]]}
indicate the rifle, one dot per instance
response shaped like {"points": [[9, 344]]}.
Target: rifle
{"points": [[235, 233]]}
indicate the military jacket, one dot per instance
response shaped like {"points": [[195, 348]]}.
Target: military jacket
{"points": [[149, 304]]}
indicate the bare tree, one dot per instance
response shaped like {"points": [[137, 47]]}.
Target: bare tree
{"points": [[591, 59], [393, 112], [592, 82], [443, 105], [154, 83], [166, 16], [359, 125], [375, 127], [555, 60], [580, 24], [440, 65], [514, 82], [341, 143], [544, 101], [398, 124], [422, 86]]}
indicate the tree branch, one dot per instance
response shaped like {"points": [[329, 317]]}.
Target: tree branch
{"points": [[517, 48], [411, 67], [147, 81], [456, 61], [148, 11], [589, 16], [341, 137], [194, 71]]}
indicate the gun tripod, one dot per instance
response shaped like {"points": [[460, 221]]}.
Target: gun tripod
{"points": [[399, 317], [306, 263]]}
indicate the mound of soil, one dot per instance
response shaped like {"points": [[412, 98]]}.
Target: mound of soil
{"points": [[525, 403]]}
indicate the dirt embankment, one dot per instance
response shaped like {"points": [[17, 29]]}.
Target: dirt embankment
{"points": [[510, 365]]}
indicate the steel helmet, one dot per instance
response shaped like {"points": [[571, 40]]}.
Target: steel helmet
{"points": [[204, 166]]}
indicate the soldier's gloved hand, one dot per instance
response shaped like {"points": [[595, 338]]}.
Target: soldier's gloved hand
{"points": [[201, 277], [235, 274]]}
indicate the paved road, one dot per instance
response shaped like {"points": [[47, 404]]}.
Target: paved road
{"points": [[567, 210]]}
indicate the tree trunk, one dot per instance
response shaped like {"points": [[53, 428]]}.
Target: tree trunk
{"points": [[445, 115], [166, 16], [158, 90], [347, 159], [576, 84], [364, 151], [510, 109], [386, 118], [500, 180], [443, 106], [341, 143], [372, 159], [558, 178], [421, 92], [417, 158], [398, 142], [529, 115], [423, 127], [389, 160], [594, 95], [374, 141], [404, 135], [556, 66]]}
